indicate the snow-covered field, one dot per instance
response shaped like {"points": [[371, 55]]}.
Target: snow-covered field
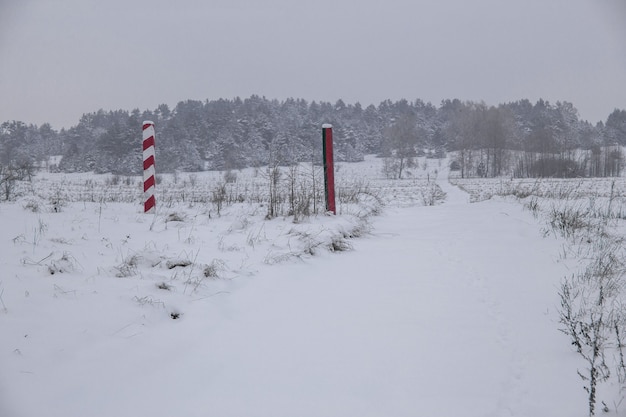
{"points": [[409, 309]]}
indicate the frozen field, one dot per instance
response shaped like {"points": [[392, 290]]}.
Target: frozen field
{"points": [[394, 307]]}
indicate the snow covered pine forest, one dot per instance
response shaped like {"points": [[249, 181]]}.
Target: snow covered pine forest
{"points": [[479, 290]]}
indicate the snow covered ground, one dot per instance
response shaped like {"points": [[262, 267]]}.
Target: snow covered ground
{"points": [[444, 310]]}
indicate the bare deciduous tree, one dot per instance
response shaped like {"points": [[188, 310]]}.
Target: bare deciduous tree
{"points": [[400, 140]]}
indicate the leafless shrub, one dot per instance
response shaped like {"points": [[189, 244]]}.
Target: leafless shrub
{"points": [[210, 271], [307, 240], [619, 326], [128, 267], [218, 197], [351, 193], [8, 180], [213, 269], [533, 206], [32, 205], [432, 195], [273, 176], [38, 232], [586, 323], [58, 199], [64, 264], [302, 201], [361, 228], [568, 219], [339, 243], [590, 315], [310, 245], [390, 168]]}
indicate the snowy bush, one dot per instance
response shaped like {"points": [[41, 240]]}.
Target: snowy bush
{"points": [[64, 264], [590, 315]]}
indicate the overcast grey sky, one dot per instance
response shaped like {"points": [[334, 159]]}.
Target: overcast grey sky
{"points": [[62, 58]]}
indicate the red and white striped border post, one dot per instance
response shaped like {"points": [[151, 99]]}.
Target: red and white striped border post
{"points": [[329, 168], [149, 172]]}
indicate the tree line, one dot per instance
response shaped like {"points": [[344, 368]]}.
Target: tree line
{"points": [[520, 138]]}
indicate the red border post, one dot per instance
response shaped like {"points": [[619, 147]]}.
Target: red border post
{"points": [[149, 172], [329, 167]]}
